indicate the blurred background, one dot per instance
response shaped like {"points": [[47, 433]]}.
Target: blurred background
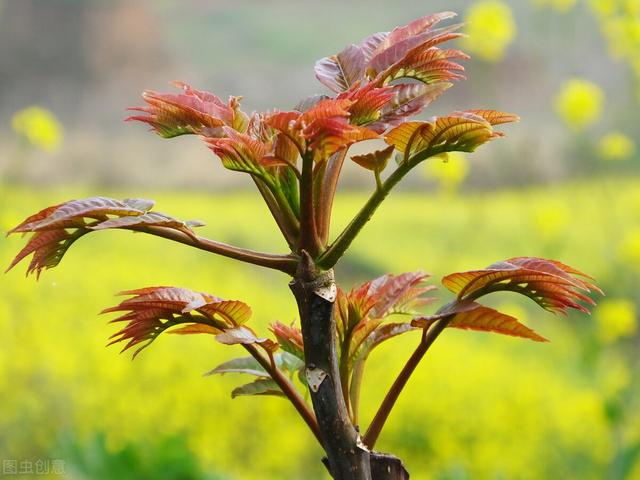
{"points": [[564, 184]]}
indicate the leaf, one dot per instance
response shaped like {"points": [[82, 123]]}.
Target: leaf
{"points": [[150, 219], [552, 285], [404, 51], [264, 386], [339, 72], [284, 361], [375, 161], [248, 365], [289, 338], [153, 310], [368, 102], [57, 227], [381, 334], [192, 112], [239, 336], [310, 102], [239, 152], [430, 66], [473, 316], [460, 131], [409, 99], [48, 248], [73, 213], [416, 27]]}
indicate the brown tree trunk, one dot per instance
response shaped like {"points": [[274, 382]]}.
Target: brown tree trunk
{"points": [[315, 294], [347, 458]]}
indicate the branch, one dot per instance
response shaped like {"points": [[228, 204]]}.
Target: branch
{"points": [[373, 432], [286, 221], [288, 389], [340, 245], [309, 239], [283, 263]]}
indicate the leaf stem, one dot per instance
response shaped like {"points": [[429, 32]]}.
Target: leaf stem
{"points": [[288, 389], [283, 263], [280, 210], [381, 416], [309, 239], [340, 245]]}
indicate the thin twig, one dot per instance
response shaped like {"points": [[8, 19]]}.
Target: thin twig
{"points": [[283, 263], [373, 432], [290, 391]]}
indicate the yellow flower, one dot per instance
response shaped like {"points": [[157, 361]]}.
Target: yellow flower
{"points": [[616, 146], [491, 29], [579, 103], [616, 319], [448, 169], [39, 126]]}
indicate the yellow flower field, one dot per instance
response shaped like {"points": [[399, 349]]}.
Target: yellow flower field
{"points": [[480, 407]]}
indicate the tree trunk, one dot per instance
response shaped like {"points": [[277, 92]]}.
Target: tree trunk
{"points": [[347, 457], [315, 294]]}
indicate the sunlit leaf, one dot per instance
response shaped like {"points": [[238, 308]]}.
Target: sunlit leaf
{"points": [[553, 285], [73, 213], [375, 161], [368, 102], [239, 336], [460, 131], [409, 99], [152, 310], [56, 228], [289, 338], [191, 112], [473, 316]]}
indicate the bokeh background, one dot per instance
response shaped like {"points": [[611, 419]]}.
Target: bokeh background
{"points": [[565, 184]]}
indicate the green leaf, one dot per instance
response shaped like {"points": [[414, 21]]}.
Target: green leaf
{"points": [[263, 386]]}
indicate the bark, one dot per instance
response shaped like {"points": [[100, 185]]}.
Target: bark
{"points": [[315, 293], [347, 457]]}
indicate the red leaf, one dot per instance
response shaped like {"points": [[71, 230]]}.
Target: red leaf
{"points": [[398, 53], [152, 310], [192, 112], [409, 99], [553, 285], [375, 161], [473, 316], [368, 102], [289, 338], [341, 71], [154, 219], [56, 228], [72, 213]]}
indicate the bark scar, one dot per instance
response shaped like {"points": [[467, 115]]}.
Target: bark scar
{"points": [[315, 376]]}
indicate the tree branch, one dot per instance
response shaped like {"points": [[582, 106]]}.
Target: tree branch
{"points": [[288, 389], [283, 263], [373, 432], [340, 245]]}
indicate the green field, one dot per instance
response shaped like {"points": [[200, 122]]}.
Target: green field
{"points": [[481, 407]]}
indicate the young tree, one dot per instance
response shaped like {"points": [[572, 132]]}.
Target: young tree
{"points": [[295, 158]]}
